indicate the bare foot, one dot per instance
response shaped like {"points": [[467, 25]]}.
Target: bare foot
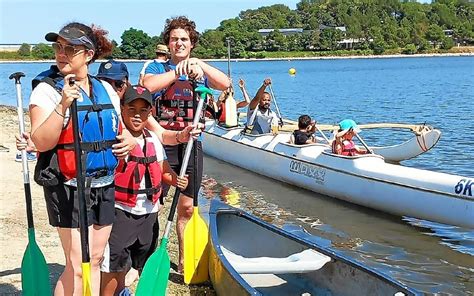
{"points": [[132, 276]]}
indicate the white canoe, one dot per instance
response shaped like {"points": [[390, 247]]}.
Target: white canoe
{"points": [[365, 180]]}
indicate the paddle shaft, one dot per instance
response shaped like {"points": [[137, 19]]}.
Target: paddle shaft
{"points": [[195, 148], [34, 270], [363, 143], [24, 161], [276, 105], [83, 223], [228, 56], [322, 134], [182, 172]]}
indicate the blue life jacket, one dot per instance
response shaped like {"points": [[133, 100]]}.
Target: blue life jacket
{"points": [[98, 128]]}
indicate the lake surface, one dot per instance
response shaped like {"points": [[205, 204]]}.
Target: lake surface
{"points": [[438, 91]]}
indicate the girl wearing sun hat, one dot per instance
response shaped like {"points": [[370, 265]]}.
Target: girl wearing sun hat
{"points": [[343, 144]]}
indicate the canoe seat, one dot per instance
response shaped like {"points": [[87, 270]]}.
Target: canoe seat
{"points": [[305, 261]]}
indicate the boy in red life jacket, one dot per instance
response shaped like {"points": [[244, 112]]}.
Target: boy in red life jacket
{"points": [[138, 181]]}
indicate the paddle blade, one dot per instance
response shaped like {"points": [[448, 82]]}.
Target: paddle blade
{"points": [[196, 253], [86, 279], [34, 270], [154, 278], [230, 111]]}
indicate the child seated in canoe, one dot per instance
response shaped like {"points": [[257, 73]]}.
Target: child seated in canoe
{"points": [[138, 179], [305, 132], [343, 144]]}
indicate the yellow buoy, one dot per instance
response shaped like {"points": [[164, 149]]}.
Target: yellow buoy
{"points": [[292, 71]]}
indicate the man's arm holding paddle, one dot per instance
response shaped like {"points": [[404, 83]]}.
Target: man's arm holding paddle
{"points": [[254, 103]]}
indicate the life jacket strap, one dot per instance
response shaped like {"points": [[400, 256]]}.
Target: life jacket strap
{"points": [[94, 107], [97, 146], [142, 160], [148, 191]]}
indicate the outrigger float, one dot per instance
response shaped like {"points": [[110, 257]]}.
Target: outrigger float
{"points": [[366, 180]]}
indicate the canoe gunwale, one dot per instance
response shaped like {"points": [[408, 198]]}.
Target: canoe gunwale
{"points": [[220, 208]]}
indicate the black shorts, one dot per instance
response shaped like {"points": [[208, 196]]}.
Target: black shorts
{"points": [[133, 239], [63, 206], [175, 156]]}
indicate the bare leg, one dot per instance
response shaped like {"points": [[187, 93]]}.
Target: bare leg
{"points": [[70, 281], [112, 283], [131, 277], [185, 211], [98, 238]]}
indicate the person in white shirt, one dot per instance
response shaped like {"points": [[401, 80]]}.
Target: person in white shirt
{"points": [[259, 115]]}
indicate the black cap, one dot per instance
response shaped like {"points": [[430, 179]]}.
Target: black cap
{"points": [[73, 35], [113, 70], [136, 92]]}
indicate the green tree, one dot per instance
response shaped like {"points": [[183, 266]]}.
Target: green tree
{"points": [[435, 34], [447, 43], [43, 51], [329, 38], [24, 50], [276, 41], [135, 43]]}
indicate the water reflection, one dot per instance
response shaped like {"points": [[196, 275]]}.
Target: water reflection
{"points": [[431, 258]]}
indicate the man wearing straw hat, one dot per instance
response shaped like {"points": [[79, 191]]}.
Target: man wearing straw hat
{"points": [[162, 55]]}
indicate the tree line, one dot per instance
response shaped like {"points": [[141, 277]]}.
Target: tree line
{"points": [[367, 26]]}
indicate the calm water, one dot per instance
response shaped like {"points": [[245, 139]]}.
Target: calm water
{"points": [[439, 91]]}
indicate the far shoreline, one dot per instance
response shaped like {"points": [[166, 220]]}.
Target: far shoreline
{"points": [[389, 56]]}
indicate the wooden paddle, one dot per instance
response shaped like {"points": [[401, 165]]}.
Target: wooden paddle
{"points": [[196, 237], [34, 270], [155, 274], [230, 103], [81, 195]]}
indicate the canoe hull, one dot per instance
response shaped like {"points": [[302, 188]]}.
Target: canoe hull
{"points": [[365, 180], [231, 229]]}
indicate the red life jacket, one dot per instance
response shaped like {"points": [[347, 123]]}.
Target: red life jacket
{"points": [[142, 163], [221, 118], [175, 106]]}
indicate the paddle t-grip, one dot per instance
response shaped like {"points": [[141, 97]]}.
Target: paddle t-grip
{"points": [[72, 81], [17, 76]]}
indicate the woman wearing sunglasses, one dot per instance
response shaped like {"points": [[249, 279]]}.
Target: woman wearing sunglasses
{"points": [[76, 46]]}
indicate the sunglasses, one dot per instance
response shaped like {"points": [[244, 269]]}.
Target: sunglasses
{"points": [[69, 50], [119, 83]]}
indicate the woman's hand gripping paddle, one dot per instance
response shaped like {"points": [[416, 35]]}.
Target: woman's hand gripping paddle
{"points": [[154, 277], [34, 270], [196, 234], [83, 223]]}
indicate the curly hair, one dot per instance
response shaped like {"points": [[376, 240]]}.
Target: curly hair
{"points": [[98, 36], [181, 22]]}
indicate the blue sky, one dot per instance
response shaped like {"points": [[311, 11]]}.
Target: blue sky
{"points": [[29, 20]]}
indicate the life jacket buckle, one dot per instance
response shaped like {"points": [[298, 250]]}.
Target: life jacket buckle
{"points": [[96, 108]]}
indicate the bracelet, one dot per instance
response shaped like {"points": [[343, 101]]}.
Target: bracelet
{"points": [[177, 140], [59, 113]]}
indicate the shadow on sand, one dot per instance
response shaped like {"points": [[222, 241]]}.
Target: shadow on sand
{"points": [[7, 288]]}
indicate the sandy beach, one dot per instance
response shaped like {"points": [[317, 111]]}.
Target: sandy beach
{"points": [[13, 225]]}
